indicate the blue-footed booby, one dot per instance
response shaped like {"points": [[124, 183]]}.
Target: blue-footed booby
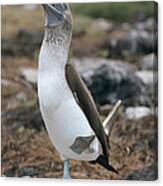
{"points": [[67, 107]]}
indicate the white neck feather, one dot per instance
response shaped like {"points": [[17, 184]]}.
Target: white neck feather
{"points": [[53, 56], [54, 50]]}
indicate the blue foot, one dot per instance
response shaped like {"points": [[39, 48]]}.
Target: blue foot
{"points": [[66, 174], [67, 177]]}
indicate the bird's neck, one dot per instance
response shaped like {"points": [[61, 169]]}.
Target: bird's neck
{"points": [[55, 49]]}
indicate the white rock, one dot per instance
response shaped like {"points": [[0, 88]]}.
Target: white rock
{"points": [[137, 112], [150, 24], [21, 96], [147, 62], [5, 82], [102, 25], [146, 76], [29, 74]]}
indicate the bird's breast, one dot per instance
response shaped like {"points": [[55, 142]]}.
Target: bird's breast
{"points": [[53, 89]]}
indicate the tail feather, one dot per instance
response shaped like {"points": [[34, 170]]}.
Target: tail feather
{"points": [[102, 161], [107, 124]]}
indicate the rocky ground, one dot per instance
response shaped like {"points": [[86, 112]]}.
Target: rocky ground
{"points": [[120, 64]]}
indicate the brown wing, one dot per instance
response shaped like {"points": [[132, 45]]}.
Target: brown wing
{"points": [[87, 104]]}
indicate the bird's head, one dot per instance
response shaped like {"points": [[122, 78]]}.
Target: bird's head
{"points": [[58, 19]]}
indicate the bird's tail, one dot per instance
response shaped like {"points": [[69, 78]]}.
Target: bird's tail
{"points": [[107, 124], [103, 162]]}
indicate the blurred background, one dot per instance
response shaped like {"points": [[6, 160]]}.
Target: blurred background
{"points": [[114, 47]]}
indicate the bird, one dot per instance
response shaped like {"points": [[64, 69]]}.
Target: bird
{"points": [[67, 107]]}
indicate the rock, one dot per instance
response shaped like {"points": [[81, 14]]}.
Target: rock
{"points": [[102, 25], [110, 80], [147, 174], [150, 24], [125, 26], [148, 62], [137, 112], [142, 41], [29, 42], [147, 77], [5, 82], [134, 42], [141, 38], [29, 74], [147, 25], [9, 172], [12, 104], [7, 48], [21, 96], [27, 172], [28, 116], [105, 109], [25, 43], [140, 26]]}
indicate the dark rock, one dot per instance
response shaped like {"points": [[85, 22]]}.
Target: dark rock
{"points": [[27, 172], [148, 174], [9, 172], [7, 48], [29, 42], [135, 42], [28, 116], [25, 44], [105, 109], [141, 39], [110, 81]]}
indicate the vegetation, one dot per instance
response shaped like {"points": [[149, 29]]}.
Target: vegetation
{"points": [[124, 11]]}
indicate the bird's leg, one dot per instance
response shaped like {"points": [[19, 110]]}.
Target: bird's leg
{"points": [[66, 174]]}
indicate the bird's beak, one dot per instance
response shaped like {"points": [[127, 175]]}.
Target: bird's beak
{"points": [[54, 14]]}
